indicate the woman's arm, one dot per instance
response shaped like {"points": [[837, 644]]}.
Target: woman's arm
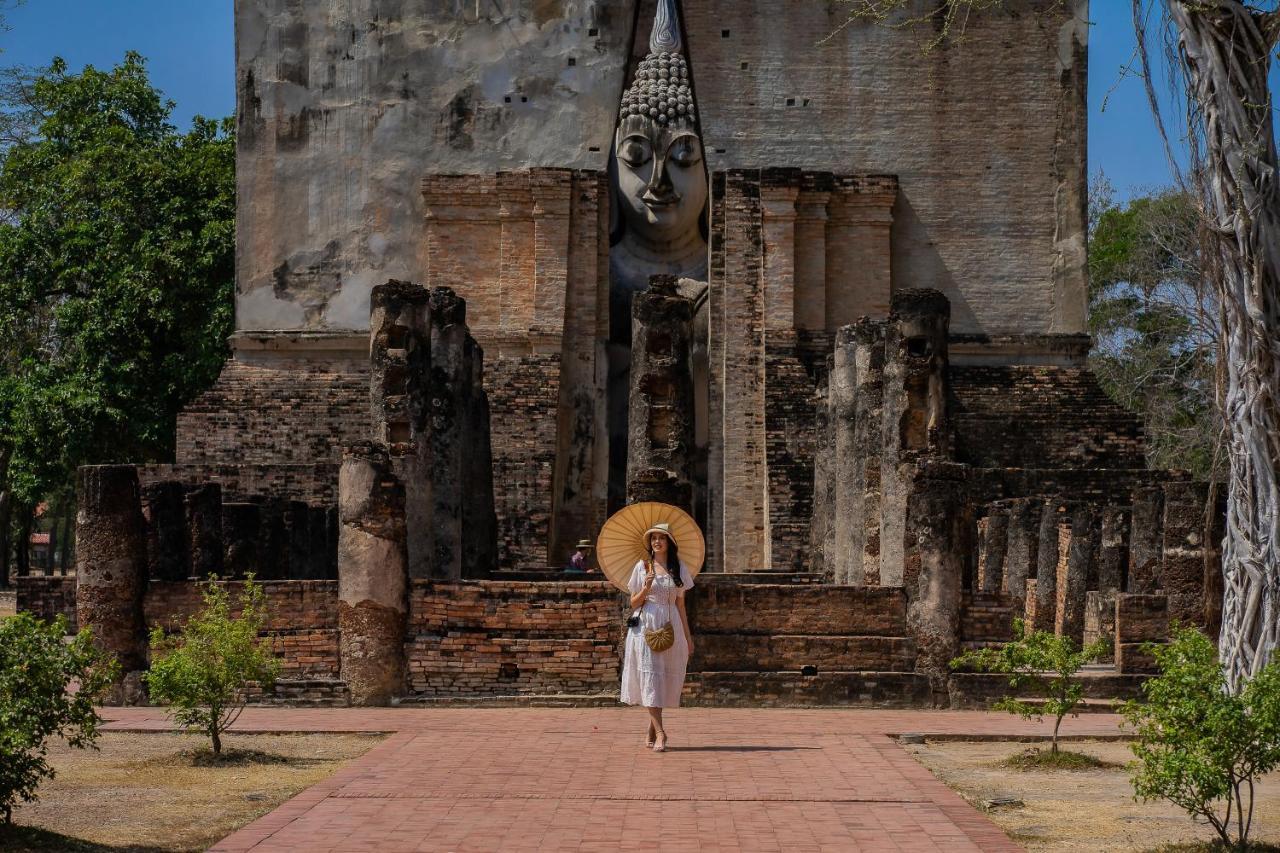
{"points": [[684, 620], [638, 598]]}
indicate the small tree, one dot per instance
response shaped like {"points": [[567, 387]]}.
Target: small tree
{"points": [[203, 671], [1044, 661], [37, 669], [1200, 746]]}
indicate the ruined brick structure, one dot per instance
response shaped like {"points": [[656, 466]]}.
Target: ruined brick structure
{"points": [[863, 365]]}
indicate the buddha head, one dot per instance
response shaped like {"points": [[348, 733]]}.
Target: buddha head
{"points": [[662, 183]]}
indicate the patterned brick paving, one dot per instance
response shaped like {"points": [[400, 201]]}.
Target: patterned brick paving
{"points": [[578, 779]]}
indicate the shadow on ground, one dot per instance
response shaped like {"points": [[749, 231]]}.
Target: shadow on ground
{"points": [[24, 839]]}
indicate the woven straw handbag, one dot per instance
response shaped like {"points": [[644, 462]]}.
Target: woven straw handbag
{"points": [[661, 639]]}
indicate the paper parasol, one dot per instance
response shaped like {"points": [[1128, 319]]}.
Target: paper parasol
{"points": [[621, 542]]}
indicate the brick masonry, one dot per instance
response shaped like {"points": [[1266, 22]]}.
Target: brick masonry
{"points": [[47, 597]]}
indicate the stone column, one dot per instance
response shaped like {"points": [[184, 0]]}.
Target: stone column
{"points": [[372, 576], [1046, 610], [914, 422], [1145, 540], [165, 519], [111, 571], [660, 418], [996, 543], [1113, 549], [1081, 562], [848, 533], [203, 506], [1024, 546], [935, 514]]}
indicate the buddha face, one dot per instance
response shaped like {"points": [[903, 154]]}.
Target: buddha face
{"points": [[662, 185]]}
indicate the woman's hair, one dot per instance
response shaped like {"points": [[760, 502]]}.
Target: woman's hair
{"points": [[673, 557]]}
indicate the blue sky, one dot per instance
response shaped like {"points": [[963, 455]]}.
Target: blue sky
{"points": [[191, 54]]}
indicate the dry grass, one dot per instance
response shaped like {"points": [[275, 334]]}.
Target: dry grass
{"points": [[1035, 758], [151, 792], [1081, 809]]}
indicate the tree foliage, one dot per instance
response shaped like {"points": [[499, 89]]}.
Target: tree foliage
{"points": [[116, 271], [1043, 663], [202, 672], [1154, 324], [47, 690], [1199, 745]]}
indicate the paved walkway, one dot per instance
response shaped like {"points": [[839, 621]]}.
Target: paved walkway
{"points": [[579, 779]]}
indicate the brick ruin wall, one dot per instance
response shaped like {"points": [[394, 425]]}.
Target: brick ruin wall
{"points": [[47, 597]]}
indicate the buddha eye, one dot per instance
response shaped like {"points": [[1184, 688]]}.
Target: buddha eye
{"points": [[635, 151], [684, 152]]}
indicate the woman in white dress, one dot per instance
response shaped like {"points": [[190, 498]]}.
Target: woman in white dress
{"points": [[649, 678]]}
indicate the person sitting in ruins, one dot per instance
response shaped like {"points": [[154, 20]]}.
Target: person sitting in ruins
{"points": [[579, 563]]}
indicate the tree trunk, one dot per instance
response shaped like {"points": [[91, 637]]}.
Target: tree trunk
{"points": [[1226, 52], [24, 540], [5, 504], [67, 540]]}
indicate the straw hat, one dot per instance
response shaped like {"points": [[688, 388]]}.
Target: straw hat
{"points": [[585, 543], [622, 539]]}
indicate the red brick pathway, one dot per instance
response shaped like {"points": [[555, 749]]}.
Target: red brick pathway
{"points": [[535, 779]]}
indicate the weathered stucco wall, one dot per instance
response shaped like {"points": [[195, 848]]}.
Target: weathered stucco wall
{"points": [[344, 108]]}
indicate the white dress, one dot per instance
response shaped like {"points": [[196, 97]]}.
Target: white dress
{"points": [[654, 679]]}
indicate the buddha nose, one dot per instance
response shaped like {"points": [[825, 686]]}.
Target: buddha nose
{"points": [[660, 189]]}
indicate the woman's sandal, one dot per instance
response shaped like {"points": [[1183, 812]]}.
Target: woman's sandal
{"points": [[662, 745], [653, 736]]}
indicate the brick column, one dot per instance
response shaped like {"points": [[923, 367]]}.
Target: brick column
{"points": [[1140, 619], [995, 541], [1023, 547], [845, 558], [373, 578], [868, 444], [914, 423], [935, 514], [778, 208], [1145, 540], [660, 441], [810, 309], [1183, 558], [1046, 610], [111, 571], [858, 255], [1081, 562], [203, 507], [1113, 548], [165, 519]]}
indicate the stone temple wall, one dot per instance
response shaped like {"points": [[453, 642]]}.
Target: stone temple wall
{"points": [[344, 108]]}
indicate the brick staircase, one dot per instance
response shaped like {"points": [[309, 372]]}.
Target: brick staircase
{"points": [[1041, 417], [786, 641]]}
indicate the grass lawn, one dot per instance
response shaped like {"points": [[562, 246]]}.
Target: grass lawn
{"points": [[152, 792], [1081, 808]]}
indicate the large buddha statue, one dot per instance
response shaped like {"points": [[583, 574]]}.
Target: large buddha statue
{"points": [[660, 201]]}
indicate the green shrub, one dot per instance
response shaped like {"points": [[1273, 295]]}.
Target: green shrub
{"points": [[1046, 662], [37, 669], [1200, 746], [202, 672]]}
